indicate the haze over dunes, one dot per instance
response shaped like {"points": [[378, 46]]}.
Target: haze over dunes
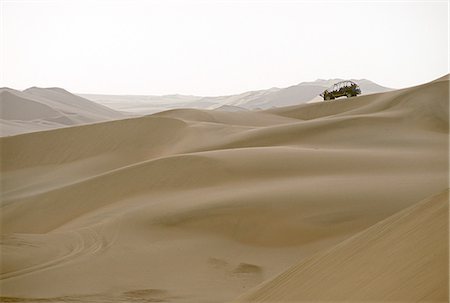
{"points": [[37, 109], [294, 203], [251, 100]]}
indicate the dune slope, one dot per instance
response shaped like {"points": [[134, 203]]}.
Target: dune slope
{"points": [[403, 258], [201, 206]]}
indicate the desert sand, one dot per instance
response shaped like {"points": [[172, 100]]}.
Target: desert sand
{"points": [[37, 109], [403, 258], [294, 204]]}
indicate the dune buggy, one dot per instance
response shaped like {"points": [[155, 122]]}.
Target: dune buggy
{"points": [[340, 89]]}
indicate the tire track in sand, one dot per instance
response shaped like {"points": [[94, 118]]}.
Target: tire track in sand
{"points": [[88, 241]]}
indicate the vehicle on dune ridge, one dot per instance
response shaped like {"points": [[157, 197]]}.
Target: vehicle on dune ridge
{"points": [[341, 89]]}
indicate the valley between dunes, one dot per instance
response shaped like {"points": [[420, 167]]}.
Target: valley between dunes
{"points": [[331, 201]]}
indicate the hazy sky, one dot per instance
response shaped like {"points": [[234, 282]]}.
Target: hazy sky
{"points": [[219, 47]]}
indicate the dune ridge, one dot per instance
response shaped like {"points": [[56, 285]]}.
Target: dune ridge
{"points": [[201, 206]]}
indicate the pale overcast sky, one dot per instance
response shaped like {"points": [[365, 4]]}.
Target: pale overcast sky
{"points": [[219, 47]]}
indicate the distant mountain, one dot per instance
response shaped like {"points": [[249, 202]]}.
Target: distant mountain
{"points": [[278, 97], [252, 100], [144, 104], [37, 109]]}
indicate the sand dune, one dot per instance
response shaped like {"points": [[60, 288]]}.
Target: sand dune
{"points": [[403, 258], [37, 109], [230, 108], [200, 206]]}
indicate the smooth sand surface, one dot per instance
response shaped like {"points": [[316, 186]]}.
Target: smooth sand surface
{"points": [[202, 206], [403, 258]]}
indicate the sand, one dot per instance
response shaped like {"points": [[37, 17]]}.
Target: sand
{"points": [[207, 206], [403, 258], [37, 109]]}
